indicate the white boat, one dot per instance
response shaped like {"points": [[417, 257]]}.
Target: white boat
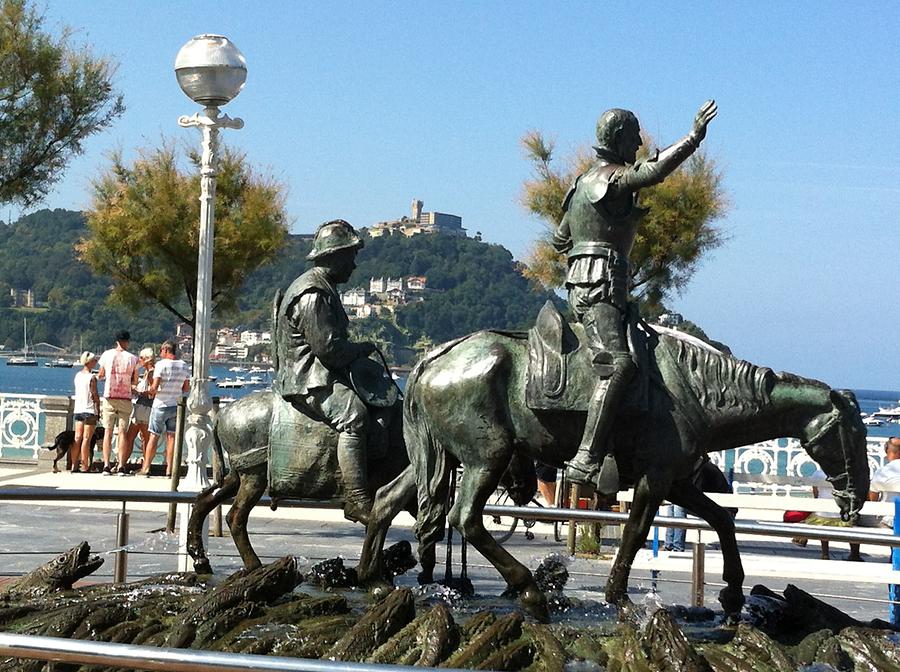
{"points": [[871, 421], [892, 414], [24, 360], [238, 369], [228, 383], [256, 380], [60, 363]]}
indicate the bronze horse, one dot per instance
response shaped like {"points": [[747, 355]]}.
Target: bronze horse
{"points": [[465, 404], [242, 430]]}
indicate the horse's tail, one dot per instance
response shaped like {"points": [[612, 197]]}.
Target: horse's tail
{"points": [[219, 471], [429, 462]]}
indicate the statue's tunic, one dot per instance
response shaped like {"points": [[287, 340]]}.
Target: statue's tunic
{"points": [[315, 351], [600, 223]]}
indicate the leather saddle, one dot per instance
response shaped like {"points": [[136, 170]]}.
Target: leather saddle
{"points": [[562, 372]]}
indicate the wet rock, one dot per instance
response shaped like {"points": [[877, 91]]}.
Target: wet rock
{"points": [[61, 573], [551, 575], [549, 655], [517, 655], [264, 585], [425, 641], [751, 650], [477, 624], [668, 648], [487, 642], [691, 614], [625, 653], [100, 619], [869, 649], [218, 625], [332, 574], [587, 647], [805, 652], [398, 559], [376, 626]]}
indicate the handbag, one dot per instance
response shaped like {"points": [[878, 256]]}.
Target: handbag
{"points": [[795, 516]]}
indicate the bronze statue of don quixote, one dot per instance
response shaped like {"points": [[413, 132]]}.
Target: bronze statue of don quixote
{"points": [[615, 402]]}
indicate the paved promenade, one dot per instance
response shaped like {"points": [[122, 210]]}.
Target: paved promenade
{"points": [[33, 532]]}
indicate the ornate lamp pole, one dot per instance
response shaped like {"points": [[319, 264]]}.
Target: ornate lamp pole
{"points": [[211, 71]]}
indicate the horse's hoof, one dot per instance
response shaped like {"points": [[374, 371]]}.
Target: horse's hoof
{"points": [[732, 601], [534, 602], [202, 567]]}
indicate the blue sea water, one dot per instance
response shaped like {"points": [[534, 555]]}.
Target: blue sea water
{"points": [[52, 381]]}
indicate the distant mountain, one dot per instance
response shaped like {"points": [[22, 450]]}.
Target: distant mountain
{"points": [[476, 285]]}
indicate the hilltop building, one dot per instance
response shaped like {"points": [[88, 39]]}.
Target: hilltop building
{"points": [[22, 298], [420, 222], [383, 295]]}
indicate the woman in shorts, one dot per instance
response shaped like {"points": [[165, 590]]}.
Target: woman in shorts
{"points": [[140, 409], [87, 411]]}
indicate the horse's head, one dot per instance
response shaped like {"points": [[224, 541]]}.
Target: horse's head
{"points": [[839, 446]]}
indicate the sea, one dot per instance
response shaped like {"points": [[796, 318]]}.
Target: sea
{"points": [[58, 381]]}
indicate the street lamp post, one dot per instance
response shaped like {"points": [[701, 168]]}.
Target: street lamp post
{"points": [[211, 71]]}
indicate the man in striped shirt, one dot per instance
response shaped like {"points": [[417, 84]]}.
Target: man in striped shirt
{"points": [[170, 381]]}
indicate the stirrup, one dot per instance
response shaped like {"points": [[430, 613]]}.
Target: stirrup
{"points": [[607, 482]]}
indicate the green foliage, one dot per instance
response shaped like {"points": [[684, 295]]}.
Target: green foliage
{"points": [[672, 240], [144, 229], [472, 286], [53, 96]]}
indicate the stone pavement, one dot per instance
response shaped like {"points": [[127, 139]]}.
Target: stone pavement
{"points": [[33, 532]]}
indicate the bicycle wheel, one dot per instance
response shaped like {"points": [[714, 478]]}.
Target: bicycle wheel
{"points": [[500, 527]]}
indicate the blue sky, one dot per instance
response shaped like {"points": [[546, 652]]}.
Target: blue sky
{"points": [[359, 107]]}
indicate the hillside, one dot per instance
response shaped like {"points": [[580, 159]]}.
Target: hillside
{"points": [[476, 285]]}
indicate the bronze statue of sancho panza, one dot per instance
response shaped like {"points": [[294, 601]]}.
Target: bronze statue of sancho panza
{"points": [[596, 234]]}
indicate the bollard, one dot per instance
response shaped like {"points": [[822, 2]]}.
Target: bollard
{"points": [[120, 569], [894, 589], [175, 467], [698, 574], [574, 496]]}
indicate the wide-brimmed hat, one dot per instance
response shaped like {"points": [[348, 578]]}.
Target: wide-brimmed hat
{"points": [[86, 357], [333, 237]]}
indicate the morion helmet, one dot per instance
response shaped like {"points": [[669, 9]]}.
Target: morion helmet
{"points": [[332, 237], [610, 123]]}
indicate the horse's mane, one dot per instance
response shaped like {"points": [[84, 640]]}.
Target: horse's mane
{"points": [[719, 380]]}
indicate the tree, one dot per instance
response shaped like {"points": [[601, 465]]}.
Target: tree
{"points": [[144, 229], [678, 230], [52, 97]]}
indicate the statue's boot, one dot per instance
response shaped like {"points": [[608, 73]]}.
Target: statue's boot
{"points": [[351, 453], [595, 445]]}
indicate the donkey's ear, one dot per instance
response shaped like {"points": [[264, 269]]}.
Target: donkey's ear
{"points": [[844, 399]]}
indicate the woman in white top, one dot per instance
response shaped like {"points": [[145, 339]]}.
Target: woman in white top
{"points": [[140, 410], [87, 411]]}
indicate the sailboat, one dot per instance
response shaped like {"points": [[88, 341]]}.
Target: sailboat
{"points": [[24, 360]]}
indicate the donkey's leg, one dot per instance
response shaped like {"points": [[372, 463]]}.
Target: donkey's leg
{"points": [[476, 485], [731, 597], [390, 500], [647, 498], [252, 486], [206, 502]]}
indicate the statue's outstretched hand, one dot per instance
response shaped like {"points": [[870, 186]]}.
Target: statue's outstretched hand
{"points": [[706, 114]]}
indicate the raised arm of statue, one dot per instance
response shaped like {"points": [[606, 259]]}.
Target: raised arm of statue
{"points": [[655, 169]]}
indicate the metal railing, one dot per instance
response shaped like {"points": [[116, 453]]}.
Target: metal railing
{"points": [[135, 657]]}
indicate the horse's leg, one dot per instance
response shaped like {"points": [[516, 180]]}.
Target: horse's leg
{"points": [[252, 486], [206, 502], [389, 501], [647, 498], [731, 597], [475, 486]]}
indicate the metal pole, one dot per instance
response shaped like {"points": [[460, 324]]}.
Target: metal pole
{"points": [[574, 496], [120, 570], [698, 574], [894, 590], [217, 477], [175, 467]]}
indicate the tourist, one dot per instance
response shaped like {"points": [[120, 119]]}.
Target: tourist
{"points": [[885, 483], [87, 412], [170, 382], [118, 368], [823, 490], [141, 403], [546, 481]]}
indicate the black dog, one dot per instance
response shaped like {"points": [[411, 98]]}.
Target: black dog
{"points": [[64, 441]]}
